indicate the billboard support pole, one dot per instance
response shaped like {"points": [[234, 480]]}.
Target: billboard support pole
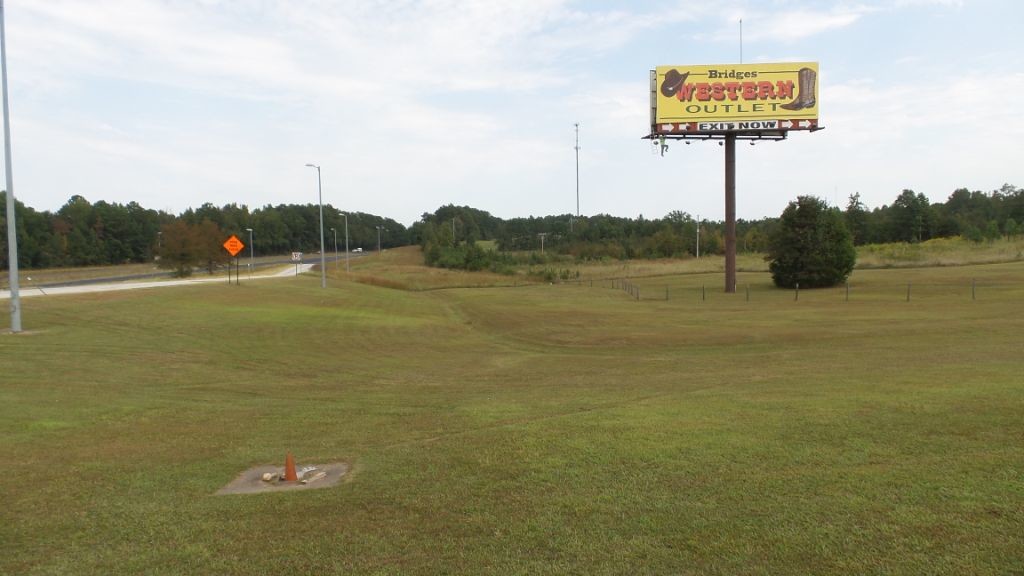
{"points": [[730, 213]]}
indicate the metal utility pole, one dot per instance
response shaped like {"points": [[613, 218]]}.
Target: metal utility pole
{"points": [[12, 237], [542, 235], [577, 148], [577, 170], [320, 197]]}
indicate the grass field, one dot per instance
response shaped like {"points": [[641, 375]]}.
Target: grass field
{"points": [[534, 429]]}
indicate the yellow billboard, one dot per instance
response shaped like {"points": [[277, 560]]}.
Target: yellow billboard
{"points": [[735, 97]]}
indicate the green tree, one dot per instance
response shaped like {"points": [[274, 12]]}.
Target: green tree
{"points": [[1011, 228], [179, 250], [857, 219], [991, 232], [911, 218], [209, 241], [811, 247]]}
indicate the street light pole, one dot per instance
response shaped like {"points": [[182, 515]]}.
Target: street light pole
{"points": [[320, 197], [345, 214], [337, 263], [252, 250], [698, 235], [12, 237]]}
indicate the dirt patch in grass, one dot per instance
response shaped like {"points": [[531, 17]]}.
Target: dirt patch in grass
{"points": [[251, 481]]}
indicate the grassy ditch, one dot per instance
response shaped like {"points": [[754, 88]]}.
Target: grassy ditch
{"points": [[531, 429]]}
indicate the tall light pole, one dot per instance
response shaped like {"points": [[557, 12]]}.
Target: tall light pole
{"points": [[12, 237], [345, 214], [337, 264], [698, 235], [577, 170], [252, 256], [320, 197]]}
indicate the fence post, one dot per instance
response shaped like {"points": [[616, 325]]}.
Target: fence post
{"points": [[908, 291], [796, 293], [973, 284]]}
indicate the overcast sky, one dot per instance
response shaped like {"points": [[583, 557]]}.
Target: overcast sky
{"points": [[409, 105]]}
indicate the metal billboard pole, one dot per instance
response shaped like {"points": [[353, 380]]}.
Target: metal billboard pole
{"points": [[12, 237], [730, 213]]}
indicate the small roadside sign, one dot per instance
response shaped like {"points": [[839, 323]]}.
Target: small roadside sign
{"points": [[233, 245], [296, 256]]}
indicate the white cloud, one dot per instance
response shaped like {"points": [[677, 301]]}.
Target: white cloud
{"points": [[413, 104]]}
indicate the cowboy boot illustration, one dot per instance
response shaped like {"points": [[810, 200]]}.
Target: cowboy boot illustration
{"points": [[805, 98]]}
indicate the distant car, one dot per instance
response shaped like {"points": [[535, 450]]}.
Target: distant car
{"points": [[358, 250]]}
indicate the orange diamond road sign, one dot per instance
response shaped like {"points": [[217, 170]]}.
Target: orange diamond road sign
{"points": [[233, 245]]}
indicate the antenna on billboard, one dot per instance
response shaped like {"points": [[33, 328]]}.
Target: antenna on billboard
{"points": [[741, 40]]}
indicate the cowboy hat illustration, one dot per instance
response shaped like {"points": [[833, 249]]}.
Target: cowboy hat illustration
{"points": [[673, 82]]}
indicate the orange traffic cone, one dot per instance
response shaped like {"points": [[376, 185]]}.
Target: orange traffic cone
{"points": [[289, 469]]}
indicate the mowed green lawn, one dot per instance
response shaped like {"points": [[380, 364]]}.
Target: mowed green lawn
{"points": [[543, 429]]}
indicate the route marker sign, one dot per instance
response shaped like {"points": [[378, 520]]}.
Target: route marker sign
{"points": [[233, 245]]}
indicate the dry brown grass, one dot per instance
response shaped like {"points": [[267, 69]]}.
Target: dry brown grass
{"points": [[403, 268]]}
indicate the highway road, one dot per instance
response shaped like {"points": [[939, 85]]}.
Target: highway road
{"points": [[106, 285], [282, 269]]}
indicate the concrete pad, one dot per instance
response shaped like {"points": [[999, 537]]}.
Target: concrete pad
{"points": [[251, 481]]}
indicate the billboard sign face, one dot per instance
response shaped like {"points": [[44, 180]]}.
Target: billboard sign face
{"points": [[753, 98]]}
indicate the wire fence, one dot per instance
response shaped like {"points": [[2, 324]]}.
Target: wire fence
{"points": [[965, 289]]}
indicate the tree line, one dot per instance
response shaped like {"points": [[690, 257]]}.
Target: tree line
{"points": [[81, 233], [449, 234]]}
